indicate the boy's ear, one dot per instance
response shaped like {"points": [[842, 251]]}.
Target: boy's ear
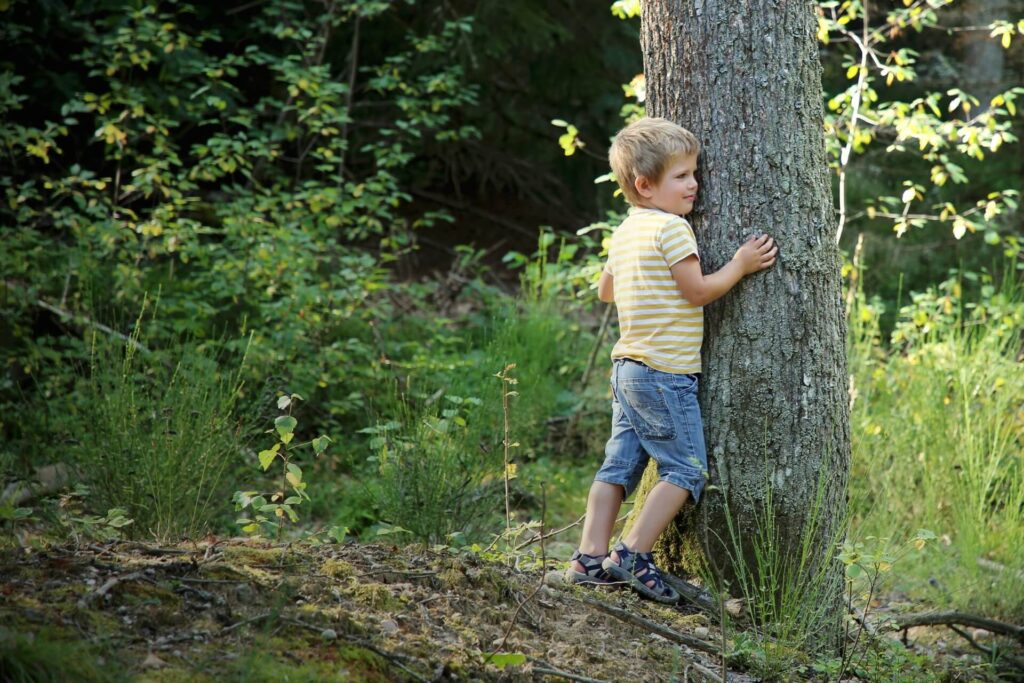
{"points": [[644, 186]]}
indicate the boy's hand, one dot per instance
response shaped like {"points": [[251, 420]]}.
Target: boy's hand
{"points": [[756, 254]]}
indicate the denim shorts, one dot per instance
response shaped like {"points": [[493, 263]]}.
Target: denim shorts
{"points": [[654, 414]]}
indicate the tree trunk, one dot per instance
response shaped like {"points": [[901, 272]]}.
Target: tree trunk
{"points": [[982, 73], [746, 79]]}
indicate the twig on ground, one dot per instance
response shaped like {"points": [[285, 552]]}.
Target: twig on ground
{"points": [[390, 656], [243, 622], [548, 670], [550, 534], [905, 621], [990, 652], [663, 631], [706, 673], [698, 596], [102, 591]]}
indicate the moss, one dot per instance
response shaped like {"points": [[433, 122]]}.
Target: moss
{"points": [[172, 675], [249, 555], [328, 663], [337, 569], [371, 594]]}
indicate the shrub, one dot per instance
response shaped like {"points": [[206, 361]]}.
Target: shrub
{"points": [[155, 439]]}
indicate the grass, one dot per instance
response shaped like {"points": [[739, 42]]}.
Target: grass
{"points": [[938, 428], [155, 439]]}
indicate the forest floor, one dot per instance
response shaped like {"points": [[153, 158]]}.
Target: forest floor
{"points": [[243, 610]]}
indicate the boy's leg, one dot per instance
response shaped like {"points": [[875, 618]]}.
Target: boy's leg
{"points": [[603, 505], [661, 506]]}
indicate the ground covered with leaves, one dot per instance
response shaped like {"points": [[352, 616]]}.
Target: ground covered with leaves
{"points": [[254, 611]]}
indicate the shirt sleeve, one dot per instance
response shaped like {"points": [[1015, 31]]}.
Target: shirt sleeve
{"points": [[677, 242]]}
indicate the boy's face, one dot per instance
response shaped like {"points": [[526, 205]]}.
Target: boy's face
{"points": [[676, 190]]}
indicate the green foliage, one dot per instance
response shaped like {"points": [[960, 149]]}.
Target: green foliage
{"points": [[267, 508], [37, 657], [154, 439], [944, 130], [936, 431], [431, 478], [789, 591], [233, 161]]}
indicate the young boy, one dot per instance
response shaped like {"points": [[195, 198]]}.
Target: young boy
{"points": [[654, 276]]}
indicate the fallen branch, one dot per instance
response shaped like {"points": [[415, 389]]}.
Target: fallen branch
{"points": [[663, 631], [548, 670], [706, 673], [250, 620], [906, 621], [990, 652], [550, 534], [698, 596], [390, 656], [83, 321], [102, 591]]}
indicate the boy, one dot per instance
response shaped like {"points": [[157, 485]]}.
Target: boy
{"points": [[654, 276]]}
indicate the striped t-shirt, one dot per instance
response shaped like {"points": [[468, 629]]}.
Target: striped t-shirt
{"points": [[657, 326]]}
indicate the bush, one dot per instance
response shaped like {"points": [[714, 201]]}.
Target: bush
{"points": [[937, 433], [155, 439]]}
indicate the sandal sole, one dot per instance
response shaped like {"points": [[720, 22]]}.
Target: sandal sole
{"points": [[577, 578], [639, 586]]}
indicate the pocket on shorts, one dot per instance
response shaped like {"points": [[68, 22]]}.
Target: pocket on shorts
{"points": [[649, 413]]}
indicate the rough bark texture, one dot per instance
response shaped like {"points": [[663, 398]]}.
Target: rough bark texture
{"points": [[745, 77]]}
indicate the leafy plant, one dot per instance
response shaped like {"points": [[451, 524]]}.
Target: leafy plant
{"points": [[268, 508]]}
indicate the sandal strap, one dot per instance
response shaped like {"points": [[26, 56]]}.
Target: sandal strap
{"points": [[636, 563], [591, 563]]}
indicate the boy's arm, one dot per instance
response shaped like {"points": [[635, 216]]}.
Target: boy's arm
{"points": [[606, 287], [756, 254]]}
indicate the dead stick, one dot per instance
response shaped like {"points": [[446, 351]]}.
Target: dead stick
{"points": [[663, 631], [107, 587], [1015, 661], [946, 618], [79, 319], [232, 627], [547, 670], [549, 535]]}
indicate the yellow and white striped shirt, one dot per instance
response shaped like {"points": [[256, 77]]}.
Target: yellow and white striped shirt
{"points": [[657, 326]]}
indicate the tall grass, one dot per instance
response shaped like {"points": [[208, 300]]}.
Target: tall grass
{"points": [[155, 439], [439, 453], [938, 439]]}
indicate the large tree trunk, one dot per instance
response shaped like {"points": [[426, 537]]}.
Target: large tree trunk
{"points": [[746, 79]]}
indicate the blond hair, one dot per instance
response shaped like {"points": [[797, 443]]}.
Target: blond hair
{"points": [[646, 148]]}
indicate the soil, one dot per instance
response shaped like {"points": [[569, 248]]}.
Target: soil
{"points": [[246, 610]]}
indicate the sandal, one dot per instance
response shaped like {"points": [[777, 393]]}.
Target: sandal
{"points": [[593, 571], [637, 569]]}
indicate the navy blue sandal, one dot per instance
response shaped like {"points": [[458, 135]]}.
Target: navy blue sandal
{"points": [[593, 571], [637, 569]]}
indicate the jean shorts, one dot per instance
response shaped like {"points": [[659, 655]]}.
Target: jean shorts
{"points": [[654, 415]]}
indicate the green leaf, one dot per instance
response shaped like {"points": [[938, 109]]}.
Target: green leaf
{"points": [[320, 444], [285, 426], [503, 659], [267, 457], [283, 402]]}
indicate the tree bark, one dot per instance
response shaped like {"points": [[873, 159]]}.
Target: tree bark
{"points": [[745, 77]]}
